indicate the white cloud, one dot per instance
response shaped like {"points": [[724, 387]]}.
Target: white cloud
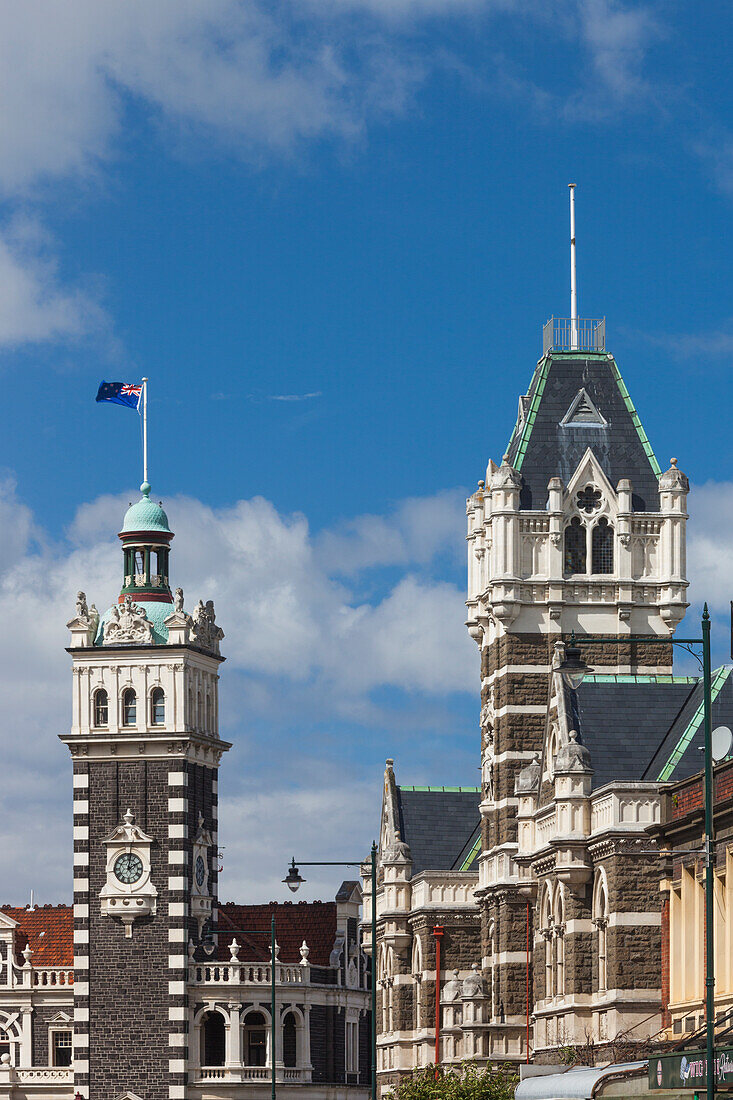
{"points": [[692, 345], [299, 642], [34, 303]]}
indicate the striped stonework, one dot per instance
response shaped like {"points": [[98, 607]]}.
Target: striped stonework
{"points": [[81, 927]]}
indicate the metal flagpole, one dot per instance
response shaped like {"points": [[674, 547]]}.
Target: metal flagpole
{"points": [[145, 429], [573, 286]]}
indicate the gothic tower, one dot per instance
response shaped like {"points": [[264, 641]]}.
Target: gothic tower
{"points": [[146, 750], [572, 532]]}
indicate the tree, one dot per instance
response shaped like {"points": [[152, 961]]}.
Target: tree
{"points": [[465, 1082]]}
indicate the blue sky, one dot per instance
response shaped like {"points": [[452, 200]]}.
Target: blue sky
{"points": [[330, 232]]}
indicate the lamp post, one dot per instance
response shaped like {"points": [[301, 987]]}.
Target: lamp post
{"points": [[293, 879], [573, 670]]}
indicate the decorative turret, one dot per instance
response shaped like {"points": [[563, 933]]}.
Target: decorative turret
{"points": [[146, 539]]}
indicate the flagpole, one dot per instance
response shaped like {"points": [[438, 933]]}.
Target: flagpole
{"points": [[145, 429]]}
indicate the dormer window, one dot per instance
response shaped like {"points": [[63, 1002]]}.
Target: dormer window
{"points": [[101, 708], [129, 707]]}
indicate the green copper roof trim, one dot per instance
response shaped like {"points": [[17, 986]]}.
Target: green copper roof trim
{"points": [[543, 367], [721, 675], [472, 854], [633, 678], [447, 790], [648, 450]]}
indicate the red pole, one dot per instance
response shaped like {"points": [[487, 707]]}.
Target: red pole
{"points": [[527, 982], [438, 931]]}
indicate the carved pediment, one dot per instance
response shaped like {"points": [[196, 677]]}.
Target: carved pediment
{"points": [[128, 832], [127, 624]]}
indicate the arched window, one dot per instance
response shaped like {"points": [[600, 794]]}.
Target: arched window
{"points": [[213, 1040], [290, 1041], [5, 1044], [559, 944], [139, 562], [575, 547], [255, 1040], [101, 708], [547, 930], [600, 919], [157, 707], [602, 552], [417, 977], [129, 707]]}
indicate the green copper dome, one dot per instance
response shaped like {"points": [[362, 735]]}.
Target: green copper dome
{"points": [[146, 515], [156, 614]]}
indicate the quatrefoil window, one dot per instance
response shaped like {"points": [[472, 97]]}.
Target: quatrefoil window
{"points": [[589, 500]]}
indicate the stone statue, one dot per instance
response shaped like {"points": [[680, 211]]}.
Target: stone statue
{"points": [[204, 631], [94, 620], [82, 610], [487, 771], [178, 601]]}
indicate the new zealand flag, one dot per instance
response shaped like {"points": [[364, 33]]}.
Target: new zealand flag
{"points": [[121, 393]]}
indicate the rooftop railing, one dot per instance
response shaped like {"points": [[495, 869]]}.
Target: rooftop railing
{"points": [[574, 334]]}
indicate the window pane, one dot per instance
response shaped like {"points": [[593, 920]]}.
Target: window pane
{"points": [[575, 552], [62, 1048], [129, 707], [602, 547], [101, 708], [157, 706]]}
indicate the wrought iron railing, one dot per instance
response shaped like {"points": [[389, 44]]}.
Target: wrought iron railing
{"points": [[574, 334]]}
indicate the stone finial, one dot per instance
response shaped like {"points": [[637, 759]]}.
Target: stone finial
{"points": [[27, 953], [473, 985], [234, 951], [389, 763], [506, 477], [452, 988], [673, 479], [398, 851], [528, 780], [304, 953], [573, 756], [128, 817], [191, 949]]}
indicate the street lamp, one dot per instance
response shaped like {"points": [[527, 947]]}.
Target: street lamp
{"points": [[574, 669], [293, 879]]}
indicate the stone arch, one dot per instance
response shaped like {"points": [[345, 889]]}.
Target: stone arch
{"points": [[293, 1036], [256, 1036]]}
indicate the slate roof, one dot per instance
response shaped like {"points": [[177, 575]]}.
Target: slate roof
{"points": [[312, 921], [541, 447], [438, 824], [48, 929], [646, 727]]}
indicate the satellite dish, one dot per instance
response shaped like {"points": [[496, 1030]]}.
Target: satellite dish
{"points": [[721, 743]]}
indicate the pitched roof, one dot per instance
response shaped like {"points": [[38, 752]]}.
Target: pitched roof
{"points": [[48, 930], [312, 921], [438, 823], [646, 727], [542, 446], [679, 754]]}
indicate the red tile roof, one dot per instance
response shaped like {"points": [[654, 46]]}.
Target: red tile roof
{"points": [[48, 929], [312, 921]]}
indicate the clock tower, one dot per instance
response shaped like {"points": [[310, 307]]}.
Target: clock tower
{"points": [[146, 750]]}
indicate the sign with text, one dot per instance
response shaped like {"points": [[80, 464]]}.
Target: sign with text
{"points": [[687, 1070]]}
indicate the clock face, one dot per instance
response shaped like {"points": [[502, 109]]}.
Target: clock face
{"points": [[200, 871], [128, 868]]}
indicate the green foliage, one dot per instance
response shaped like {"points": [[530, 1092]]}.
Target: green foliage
{"points": [[466, 1082]]}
